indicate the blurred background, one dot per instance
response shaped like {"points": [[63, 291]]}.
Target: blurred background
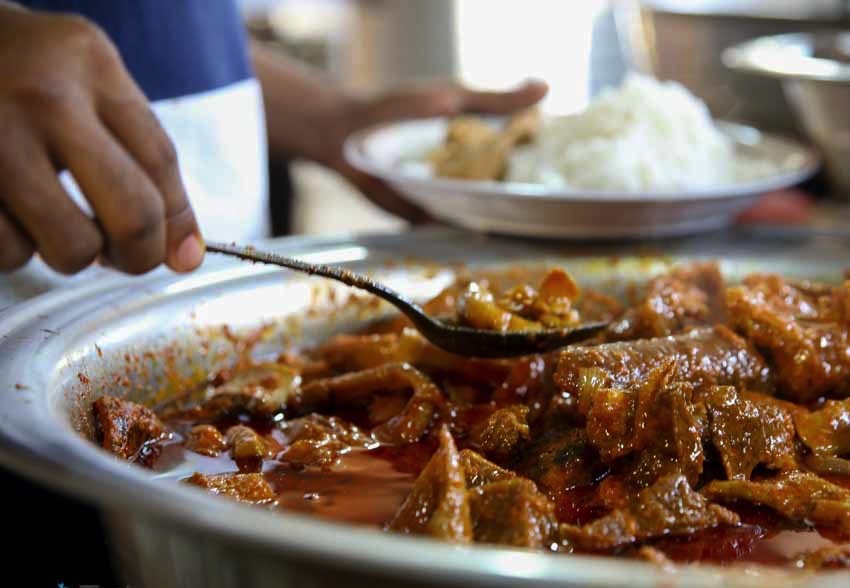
{"points": [[578, 48], [369, 45]]}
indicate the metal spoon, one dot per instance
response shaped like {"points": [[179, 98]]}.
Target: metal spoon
{"points": [[453, 338]]}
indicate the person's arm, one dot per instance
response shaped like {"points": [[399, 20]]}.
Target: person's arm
{"points": [[67, 102], [309, 117]]}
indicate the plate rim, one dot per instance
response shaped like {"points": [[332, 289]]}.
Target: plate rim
{"points": [[355, 154]]}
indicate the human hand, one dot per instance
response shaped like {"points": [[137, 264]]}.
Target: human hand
{"points": [[308, 117], [67, 102], [427, 100]]}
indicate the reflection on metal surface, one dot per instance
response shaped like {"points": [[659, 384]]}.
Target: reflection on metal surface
{"points": [[519, 565], [814, 70], [683, 41], [199, 280], [339, 255], [241, 307]]}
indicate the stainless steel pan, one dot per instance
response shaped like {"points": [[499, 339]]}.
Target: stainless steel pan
{"points": [[59, 351]]}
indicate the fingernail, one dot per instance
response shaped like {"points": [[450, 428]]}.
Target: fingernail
{"points": [[529, 82], [189, 254]]}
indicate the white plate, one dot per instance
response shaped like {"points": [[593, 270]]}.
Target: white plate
{"points": [[540, 211]]}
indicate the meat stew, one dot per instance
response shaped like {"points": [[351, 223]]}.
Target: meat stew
{"points": [[710, 421]]}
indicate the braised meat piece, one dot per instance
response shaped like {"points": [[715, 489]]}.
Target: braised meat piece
{"points": [[803, 328], [474, 150], [593, 306], [825, 431], [559, 459], [836, 557], [521, 308], [668, 507], [246, 446], [512, 512], [551, 304], [477, 308], [799, 496], [250, 488], [502, 432], [748, 430], [702, 357], [479, 471], [438, 505], [827, 465], [668, 422], [320, 441], [127, 429], [664, 427], [687, 297], [486, 160], [260, 390], [468, 130], [656, 557], [353, 353], [528, 383], [659, 415], [610, 417], [205, 440], [359, 388]]}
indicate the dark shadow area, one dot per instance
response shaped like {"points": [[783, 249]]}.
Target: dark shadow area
{"points": [[51, 539]]}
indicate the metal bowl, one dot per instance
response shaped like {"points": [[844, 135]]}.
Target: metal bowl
{"points": [[682, 40], [61, 350], [814, 70]]}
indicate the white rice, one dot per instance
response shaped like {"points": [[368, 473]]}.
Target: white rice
{"points": [[645, 135]]}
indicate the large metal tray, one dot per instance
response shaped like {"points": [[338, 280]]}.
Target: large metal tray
{"points": [[60, 350]]}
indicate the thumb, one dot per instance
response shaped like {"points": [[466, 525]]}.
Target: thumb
{"points": [[448, 99], [528, 94], [414, 102]]}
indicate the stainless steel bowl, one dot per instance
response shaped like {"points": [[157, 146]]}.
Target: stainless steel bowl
{"points": [[814, 70], [61, 350], [682, 40]]}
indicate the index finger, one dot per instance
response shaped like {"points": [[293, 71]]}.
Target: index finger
{"points": [[530, 93], [447, 99], [136, 127]]}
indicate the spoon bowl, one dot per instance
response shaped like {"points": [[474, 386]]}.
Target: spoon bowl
{"points": [[457, 339]]}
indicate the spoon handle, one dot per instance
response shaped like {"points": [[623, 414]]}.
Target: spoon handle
{"points": [[339, 274]]}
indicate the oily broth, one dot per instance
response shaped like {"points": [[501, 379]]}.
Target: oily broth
{"points": [[367, 486]]}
